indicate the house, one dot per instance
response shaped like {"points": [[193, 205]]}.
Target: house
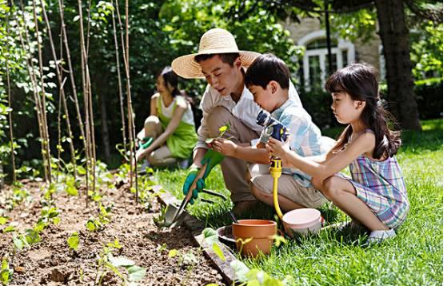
{"points": [[312, 36]]}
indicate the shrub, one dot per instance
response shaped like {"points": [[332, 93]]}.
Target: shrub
{"points": [[429, 98]]}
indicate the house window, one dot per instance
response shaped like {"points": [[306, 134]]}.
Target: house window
{"points": [[315, 62]]}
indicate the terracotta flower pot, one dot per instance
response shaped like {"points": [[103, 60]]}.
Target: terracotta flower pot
{"points": [[260, 232]]}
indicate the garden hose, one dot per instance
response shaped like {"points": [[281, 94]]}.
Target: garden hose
{"points": [[276, 171]]}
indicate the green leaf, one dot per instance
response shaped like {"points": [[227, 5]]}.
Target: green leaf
{"points": [[32, 236], [240, 270], [172, 253], [3, 220], [120, 261], [73, 241], [18, 243], [278, 239], [218, 251], [90, 225], [9, 229], [136, 273]]}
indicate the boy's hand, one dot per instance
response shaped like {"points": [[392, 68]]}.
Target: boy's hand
{"points": [[277, 148], [224, 146]]}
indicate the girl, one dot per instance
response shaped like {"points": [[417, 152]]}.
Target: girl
{"points": [[169, 131], [375, 196]]}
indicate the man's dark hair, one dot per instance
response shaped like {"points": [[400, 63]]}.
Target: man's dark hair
{"points": [[265, 68], [226, 58]]}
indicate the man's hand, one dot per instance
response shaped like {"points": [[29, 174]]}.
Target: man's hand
{"points": [[191, 176], [224, 146], [211, 158]]}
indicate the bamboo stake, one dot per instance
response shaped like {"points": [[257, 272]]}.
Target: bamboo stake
{"points": [[61, 90], [128, 95], [47, 162], [85, 82], [32, 76], [119, 79], [11, 133], [71, 75], [130, 107]]}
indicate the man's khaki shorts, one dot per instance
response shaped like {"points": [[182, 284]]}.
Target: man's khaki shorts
{"points": [[287, 187]]}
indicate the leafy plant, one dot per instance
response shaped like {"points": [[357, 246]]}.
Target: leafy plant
{"points": [[159, 220], [6, 272], [107, 262], [222, 131], [73, 241]]}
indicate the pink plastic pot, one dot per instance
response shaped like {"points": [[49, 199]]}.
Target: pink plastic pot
{"points": [[302, 221]]}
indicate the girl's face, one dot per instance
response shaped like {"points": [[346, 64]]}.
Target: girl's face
{"points": [[345, 109], [161, 88]]}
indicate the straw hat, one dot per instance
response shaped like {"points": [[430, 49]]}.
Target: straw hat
{"points": [[214, 41]]}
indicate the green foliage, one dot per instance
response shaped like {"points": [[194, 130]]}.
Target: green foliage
{"points": [[5, 272], [107, 262], [73, 241], [426, 50]]}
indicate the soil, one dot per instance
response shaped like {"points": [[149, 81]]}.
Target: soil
{"points": [[51, 262]]}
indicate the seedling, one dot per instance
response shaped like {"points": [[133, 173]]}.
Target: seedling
{"points": [[5, 272], [222, 131], [73, 241], [107, 262], [159, 220]]}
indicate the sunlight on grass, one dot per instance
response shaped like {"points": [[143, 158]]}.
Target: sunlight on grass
{"points": [[414, 257]]}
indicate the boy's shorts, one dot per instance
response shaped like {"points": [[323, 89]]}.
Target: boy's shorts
{"points": [[287, 187]]}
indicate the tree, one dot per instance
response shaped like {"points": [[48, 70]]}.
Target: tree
{"points": [[394, 34]]}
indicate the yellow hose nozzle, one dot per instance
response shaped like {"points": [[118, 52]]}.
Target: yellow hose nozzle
{"points": [[276, 171]]}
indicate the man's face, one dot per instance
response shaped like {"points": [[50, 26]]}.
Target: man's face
{"points": [[263, 97], [221, 76]]}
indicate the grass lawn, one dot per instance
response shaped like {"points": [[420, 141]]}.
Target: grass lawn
{"points": [[414, 257]]}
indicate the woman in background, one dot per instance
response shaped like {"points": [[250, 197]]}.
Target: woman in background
{"points": [[169, 135]]}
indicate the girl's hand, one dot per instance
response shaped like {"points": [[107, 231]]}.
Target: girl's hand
{"points": [[224, 146], [277, 148]]}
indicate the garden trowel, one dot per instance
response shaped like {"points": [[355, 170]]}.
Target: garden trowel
{"points": [[172, 215]]}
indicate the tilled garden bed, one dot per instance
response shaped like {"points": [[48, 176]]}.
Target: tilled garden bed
{"points": [[170, 256]]}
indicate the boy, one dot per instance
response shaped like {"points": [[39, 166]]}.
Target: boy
{"points": [[267, 79], [226, 100]]}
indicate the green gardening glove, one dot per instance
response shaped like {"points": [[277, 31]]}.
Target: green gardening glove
{"points": [[191, 176], [211, 158]]}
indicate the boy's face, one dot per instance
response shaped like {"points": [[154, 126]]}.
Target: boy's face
{"points": [[221, 76], [266, 98]]}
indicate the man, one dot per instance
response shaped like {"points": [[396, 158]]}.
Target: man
{"points": [[226, 101]]}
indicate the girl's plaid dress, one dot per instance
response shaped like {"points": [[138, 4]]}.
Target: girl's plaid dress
{"points": [[381, 186]]}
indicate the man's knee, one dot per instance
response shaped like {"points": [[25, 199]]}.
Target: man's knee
{"points": [[218, 117]]}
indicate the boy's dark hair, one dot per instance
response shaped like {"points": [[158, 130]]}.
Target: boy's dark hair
{"points": [[226, 58], [265, 68], [361, 83]]}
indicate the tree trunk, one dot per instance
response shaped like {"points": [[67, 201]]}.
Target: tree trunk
{"points": [[394, 36]]}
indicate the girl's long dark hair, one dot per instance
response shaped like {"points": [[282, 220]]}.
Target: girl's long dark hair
{"points": [[170, 77], [360, 82]]}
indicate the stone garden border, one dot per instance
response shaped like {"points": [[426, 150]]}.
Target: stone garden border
{"points": [[196, 227]]}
